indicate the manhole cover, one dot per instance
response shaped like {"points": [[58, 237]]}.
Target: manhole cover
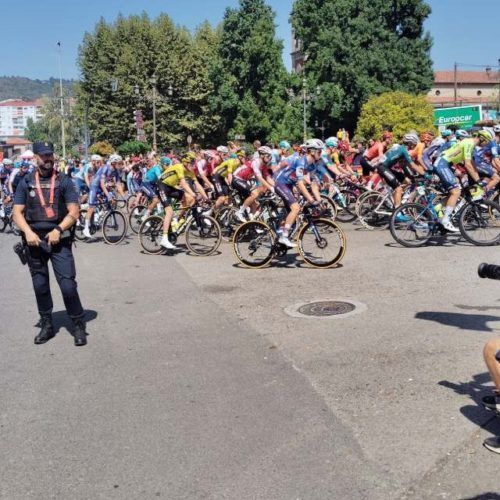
{"points": [[326, 308]]}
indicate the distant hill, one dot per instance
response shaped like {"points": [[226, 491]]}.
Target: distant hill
{"points": [[12, 87]]}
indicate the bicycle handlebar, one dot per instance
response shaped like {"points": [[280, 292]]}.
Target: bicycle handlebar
{"points": [[490, 271]]}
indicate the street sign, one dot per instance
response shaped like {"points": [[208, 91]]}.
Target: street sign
{"points": [[462, 116]]}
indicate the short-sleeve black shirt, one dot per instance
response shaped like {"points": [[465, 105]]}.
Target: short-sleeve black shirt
{"points": [[67, 189]]}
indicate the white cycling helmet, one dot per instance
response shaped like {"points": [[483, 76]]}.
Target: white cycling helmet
{"points": [[314, 144], [461, 134], [223, 150], [265, 150], [115, 159], [28, 155], [96, 158], [496, 129], [411, 138], [6, 161]]}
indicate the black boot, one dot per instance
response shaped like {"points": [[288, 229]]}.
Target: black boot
{"points": [[79, 332], [47, 330]]}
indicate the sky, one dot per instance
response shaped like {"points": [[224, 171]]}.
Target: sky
{"points": [[31, 29]]}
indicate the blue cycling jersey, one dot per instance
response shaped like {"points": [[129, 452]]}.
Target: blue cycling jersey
{"points": [[492, 149], [107, 173], [295, 169], [153, 174]]}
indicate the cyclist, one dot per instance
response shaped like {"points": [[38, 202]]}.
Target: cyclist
{"points": [[417, 153], [279, 155], [372, 156], [204, 165], [261, 170], [105, 175], [20, 170], [294, 174], [5, 171], [399, 155], [150, 183], [223, 177], [462, 152], [461, 134], [175, 186]]}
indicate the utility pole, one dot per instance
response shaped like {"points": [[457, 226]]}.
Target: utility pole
{"points": [[63, 136], [455, 82], [153, 81], [304, 99]]}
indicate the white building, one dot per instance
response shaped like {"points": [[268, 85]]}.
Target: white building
{"points": [[14, 114]]}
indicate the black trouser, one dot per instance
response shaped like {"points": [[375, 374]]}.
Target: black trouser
{"points": [[63, 265]]}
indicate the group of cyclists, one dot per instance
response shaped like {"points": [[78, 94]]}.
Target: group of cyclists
{"points": [[295, 174]]}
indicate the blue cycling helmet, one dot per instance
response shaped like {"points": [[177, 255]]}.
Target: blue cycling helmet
{"points": [[17, 164], [332, 142], [461, 134], [165, 161], [446, 133], [284, 145]]}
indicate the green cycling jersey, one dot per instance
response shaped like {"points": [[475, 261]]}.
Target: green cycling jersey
{"points": [[460, 152]]}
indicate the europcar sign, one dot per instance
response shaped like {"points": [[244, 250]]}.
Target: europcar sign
{"points": [[462, 117]]}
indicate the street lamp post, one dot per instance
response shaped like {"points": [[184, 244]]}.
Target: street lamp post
{"points": [[153, 81], [63, 136], [322, 128]]}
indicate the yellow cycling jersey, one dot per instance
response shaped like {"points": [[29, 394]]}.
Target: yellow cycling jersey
{"points": [[175, 173], [462, 151], [227, 167]]}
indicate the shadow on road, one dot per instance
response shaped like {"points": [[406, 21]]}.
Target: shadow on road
{"points": [[484, 496], [61, 319], [478, 387], [462, 321]]}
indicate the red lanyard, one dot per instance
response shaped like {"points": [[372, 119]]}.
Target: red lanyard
{"points": [[39, 190]]}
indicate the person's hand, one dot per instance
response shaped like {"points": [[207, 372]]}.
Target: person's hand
{"points": [[32, 239], [53, 237]]}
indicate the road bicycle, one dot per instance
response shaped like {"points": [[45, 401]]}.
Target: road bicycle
{"points": [[202, 232], [6, 220], [321, 241], [106, 218]]}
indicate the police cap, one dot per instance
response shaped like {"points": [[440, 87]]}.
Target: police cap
{"points": [[43, 148]]}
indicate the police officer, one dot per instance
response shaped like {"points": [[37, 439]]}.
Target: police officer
{"points": [[45, 209]]}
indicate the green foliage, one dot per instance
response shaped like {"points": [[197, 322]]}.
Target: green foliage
{"points": [[103, 148], [17, 87], [248, 73], [129, 52], [358, 48], [396, 111], [48, 128], [130, 148]]}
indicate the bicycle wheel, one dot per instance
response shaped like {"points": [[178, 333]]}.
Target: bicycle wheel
{"points": [[14, 229], [374, 211], [254, 243], [135, 217], [322, 243], [479, 223], [203, 237], [114, 227], [412, 224], [3, 224], [80, 225], [329, 207], [150, 234], [346, 206], [226, 217]]}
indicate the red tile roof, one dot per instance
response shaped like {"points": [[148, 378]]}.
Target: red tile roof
{"points": [[491, 77], [19, 103], [16, 141]]}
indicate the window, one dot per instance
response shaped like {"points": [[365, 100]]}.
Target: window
{"points": [[479, 93], [438, 92]]}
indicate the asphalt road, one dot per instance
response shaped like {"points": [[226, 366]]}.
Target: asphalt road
{"points": [[197, 384]]}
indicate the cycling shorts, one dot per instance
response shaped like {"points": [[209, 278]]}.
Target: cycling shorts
{"points": [[367, 168], [484, 169], [95, 191], [394, 178], [285, 193], [243, 187], [448, 179], [149, 189], [220, 186], [169, 193]]}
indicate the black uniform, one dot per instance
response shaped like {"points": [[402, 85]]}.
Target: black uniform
{"points": [[61, 254]]}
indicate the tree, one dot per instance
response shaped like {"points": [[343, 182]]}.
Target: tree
{"points": [[396, 111], [133, 148], [248, 73], [358, 48], [103, 148]]}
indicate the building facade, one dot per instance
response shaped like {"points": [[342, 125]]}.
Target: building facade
{"points": [[14, 114]]}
